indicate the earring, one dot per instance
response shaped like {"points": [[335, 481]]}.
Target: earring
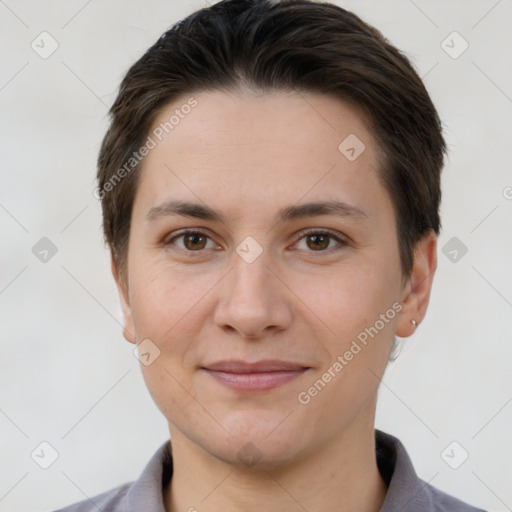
{"points": [[395, 350], [414, 324]]}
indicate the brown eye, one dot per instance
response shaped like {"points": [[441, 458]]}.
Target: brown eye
{"points": [[194, 241], [191, 241], [318, 241]]}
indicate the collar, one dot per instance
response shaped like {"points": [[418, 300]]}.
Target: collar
{"points": [[406, 492]]}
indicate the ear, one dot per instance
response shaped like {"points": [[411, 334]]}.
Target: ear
{"points": [[416, 291], [122, 288]]}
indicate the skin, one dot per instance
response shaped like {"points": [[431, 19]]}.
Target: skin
{"points": [[249, 155]]}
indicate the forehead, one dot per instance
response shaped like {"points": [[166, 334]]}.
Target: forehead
{"points": [[264, 148], [312, 122]]}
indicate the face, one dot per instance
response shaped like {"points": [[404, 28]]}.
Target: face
{"points": [[252, 273]]}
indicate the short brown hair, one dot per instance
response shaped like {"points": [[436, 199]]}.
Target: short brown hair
{"points": [[282, 45]]}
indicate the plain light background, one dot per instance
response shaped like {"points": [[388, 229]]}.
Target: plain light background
{"points": [[68, 378]]}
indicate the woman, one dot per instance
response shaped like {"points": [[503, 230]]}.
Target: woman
{"points": [[270, 185]]}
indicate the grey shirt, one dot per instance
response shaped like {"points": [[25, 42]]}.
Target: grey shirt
{"points": [[406, 492]]}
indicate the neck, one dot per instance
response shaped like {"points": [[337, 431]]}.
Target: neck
{"points": [[342, 475]]}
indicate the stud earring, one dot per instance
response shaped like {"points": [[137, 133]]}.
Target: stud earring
{"points": [[414, 324]]}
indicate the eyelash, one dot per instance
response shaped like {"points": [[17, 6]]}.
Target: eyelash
{"points": [[303, 234]]}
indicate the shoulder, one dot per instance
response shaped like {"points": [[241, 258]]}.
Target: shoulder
{"points": [[406, 491], [143, 494], [109, 501], [442, 502]]}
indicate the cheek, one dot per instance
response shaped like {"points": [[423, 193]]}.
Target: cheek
{"points": [[168, 385], [357, 305], [165, 305], [165, 299], [353, 296], [170, 307]]}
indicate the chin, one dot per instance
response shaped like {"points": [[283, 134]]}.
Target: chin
{"points": [[258, 440], [262, 454]]}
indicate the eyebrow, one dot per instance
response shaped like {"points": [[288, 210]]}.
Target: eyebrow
{"points": [[200, 211]]}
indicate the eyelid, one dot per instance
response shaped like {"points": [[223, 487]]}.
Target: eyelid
{"points": [[338, 237], [341, 239], [187, 231]]}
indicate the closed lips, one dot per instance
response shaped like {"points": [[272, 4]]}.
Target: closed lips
{"points": [[237, 366]]}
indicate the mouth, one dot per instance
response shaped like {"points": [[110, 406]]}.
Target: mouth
{"points": [[257, 376]]}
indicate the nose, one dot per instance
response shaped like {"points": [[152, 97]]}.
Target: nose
{"points": [[254, 301]]}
